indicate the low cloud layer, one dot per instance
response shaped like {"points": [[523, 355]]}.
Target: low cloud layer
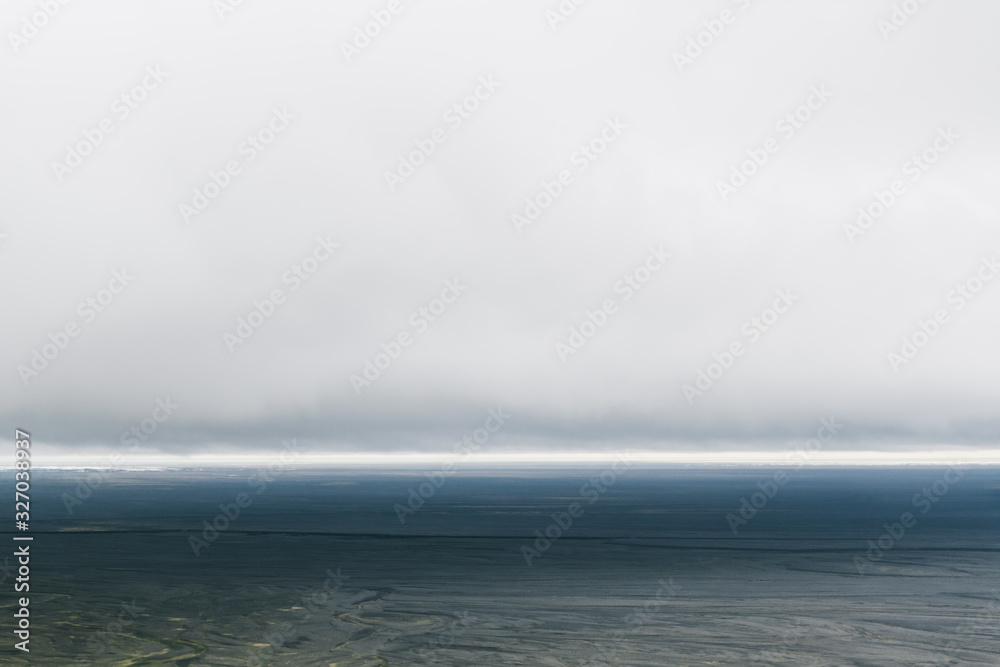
{"points": [[689, 228]]}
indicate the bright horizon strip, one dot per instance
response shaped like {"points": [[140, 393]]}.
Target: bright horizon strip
{"points": [[785, 457]]}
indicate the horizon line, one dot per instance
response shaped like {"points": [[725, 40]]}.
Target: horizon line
{"points": [[799, 458]]}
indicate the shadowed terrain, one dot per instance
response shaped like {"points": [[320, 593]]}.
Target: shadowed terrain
{"points": [[319, 570]]}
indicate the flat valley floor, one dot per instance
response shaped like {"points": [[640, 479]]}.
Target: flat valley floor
{"points": [[349, 568]]}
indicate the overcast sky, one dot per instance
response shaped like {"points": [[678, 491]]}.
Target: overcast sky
{"points": [[670, 119]]}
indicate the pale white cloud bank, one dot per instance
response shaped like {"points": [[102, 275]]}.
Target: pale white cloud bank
{"points": [[747, 166]]}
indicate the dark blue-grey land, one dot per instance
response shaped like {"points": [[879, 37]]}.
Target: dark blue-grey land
{"points": [[524, 566]]}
